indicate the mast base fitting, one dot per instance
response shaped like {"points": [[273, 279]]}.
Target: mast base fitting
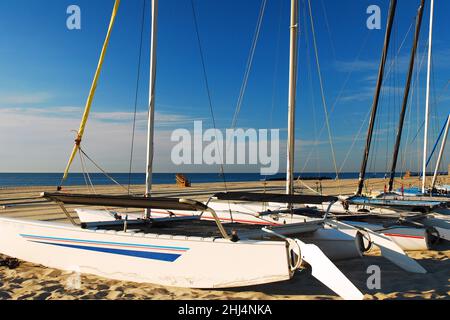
{"points": [[234, 236]]}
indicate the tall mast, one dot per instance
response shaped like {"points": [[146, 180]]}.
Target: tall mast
{"points": [[151, 113], [427, 105], [362, 174], [406, 96], [441, 153], [292, 96]]}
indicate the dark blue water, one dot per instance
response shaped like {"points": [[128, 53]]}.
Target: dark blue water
{"points": [[75, 179]]}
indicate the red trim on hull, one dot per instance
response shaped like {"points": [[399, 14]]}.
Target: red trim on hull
{"points": [[403, 236], [227, 219]]}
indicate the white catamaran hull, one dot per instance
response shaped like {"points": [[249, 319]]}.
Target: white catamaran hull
{"points": [[409, 239], [335, 244], [163, 260], [338, 208]]}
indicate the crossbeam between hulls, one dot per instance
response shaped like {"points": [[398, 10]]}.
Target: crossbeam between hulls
{"points": [[92, 91]]}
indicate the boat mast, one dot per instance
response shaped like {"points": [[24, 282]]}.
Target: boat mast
{"points": [[92, 91], [441, 153], [406, 96], [427, 104], [387, 40], [151, 113], [293, 60]]}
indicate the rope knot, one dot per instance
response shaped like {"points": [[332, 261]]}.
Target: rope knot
{"points": [[78, 141]]}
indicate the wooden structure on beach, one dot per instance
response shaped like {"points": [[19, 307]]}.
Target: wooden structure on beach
{"points": [[182, 181]]}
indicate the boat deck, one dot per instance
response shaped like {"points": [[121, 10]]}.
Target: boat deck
{"points": [[184, 228]]}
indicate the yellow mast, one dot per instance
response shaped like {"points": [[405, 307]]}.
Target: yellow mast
{"points": [[92, 91]]}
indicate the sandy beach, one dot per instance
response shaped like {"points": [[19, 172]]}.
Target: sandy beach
{"points": [[35, 282]]}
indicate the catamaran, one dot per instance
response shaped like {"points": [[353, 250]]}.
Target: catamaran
{"points": [[379, 215], [415, 221], [435, 192], [407, 223], [417, 200], [171, 251], [336, 239]]}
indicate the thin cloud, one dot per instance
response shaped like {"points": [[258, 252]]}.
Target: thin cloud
{"points": [[367, 94], [358, 65], [24, 98], [441, 59], [46, 135]]}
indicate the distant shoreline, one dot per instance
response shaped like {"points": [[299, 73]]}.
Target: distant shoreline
{"points": [[52, 180]]}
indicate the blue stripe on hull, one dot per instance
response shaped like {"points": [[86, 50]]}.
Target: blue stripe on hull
{"points": [[103, 242], [168, 257]]}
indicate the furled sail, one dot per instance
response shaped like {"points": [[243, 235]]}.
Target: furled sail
{"points": [[277, 198], [126, 201], [92, 91]]}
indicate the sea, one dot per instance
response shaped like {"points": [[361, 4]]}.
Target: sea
{"points": [[78, 179]]}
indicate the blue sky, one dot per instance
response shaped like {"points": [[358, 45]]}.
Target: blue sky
{"points": [[46, 72]]}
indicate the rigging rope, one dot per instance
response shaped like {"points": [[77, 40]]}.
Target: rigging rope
{"points": [[249, 64], [205, 75], [136, 96], [86, 174], [439, 99], [102, 170], [327, 120], [87, 110], [355, 140], [327, 24], [415, 92], [83, 170], [277, 61], [341, 92], [391, 66], [311, 87], [307, 187], [87, 178]]}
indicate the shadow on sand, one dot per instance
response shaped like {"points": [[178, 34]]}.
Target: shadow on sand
{"points": [[395, 283]]}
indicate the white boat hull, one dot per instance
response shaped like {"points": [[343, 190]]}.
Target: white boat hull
{"points": [[335, 244], [409, 239], [163, 260], [338, 208]]}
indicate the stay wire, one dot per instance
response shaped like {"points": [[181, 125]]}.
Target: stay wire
{"points": [[136, 95], [205, 75], [249, 66], [327, 120], [102, 170]]}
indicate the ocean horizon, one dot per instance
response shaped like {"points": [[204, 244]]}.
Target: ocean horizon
{"points": [[76, 179]]}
